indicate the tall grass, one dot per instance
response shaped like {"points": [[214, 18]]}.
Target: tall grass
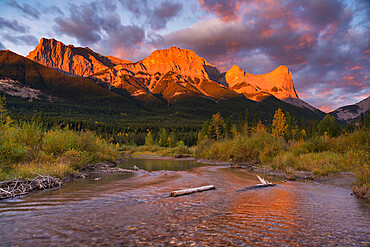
{"points": [[260, 146], [321, 155], [27, 149], [158, 150]]}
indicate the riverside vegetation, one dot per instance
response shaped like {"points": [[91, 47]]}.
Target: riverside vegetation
{"points": [[286, 147], [28, 148]]}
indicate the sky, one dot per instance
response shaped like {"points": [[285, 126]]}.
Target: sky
{"points": [[325, 43]]}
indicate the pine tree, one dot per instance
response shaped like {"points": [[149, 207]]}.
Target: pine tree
{"points": [[240, 123], [255, 120], [163, 138], [247, 129], [361, 121], [329, 125], [3, 110], [228, 126], [246, 118], [204, 132], [279, 123]]}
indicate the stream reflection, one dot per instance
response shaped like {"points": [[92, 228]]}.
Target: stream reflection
{"points": [[136, 210]]}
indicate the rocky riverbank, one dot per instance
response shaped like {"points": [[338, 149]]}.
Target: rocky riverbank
{"points": [[21, 186], [344, 180]]}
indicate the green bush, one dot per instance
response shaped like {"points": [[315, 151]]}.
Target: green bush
{"points": [[26, 149], [260, 146]]}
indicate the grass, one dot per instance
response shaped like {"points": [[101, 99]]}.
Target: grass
{"points": [[27, 149], [321, 155], [157, 150], [260, 146]]}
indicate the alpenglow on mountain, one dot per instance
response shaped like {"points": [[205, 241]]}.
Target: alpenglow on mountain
{"points": [[171, 73]]}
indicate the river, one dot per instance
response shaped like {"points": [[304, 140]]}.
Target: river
{"points": [[136, 210]]}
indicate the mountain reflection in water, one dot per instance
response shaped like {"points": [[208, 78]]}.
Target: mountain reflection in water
{"points": [[136, 210]]}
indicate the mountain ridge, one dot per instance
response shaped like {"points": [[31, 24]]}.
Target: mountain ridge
{"points": [[146, 73], [349, 112]]}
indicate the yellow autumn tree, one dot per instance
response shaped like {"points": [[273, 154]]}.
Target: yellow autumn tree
{"points": [[216, 127], [279, 124]]}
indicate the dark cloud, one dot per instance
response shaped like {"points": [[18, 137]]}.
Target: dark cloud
{"points": [[12, 25], [227, 10], [137, 8], [84, 23], [21, 39], [155, 16], [26, 9], [320, 41], [163, 13], [2, 47], [98, 24]]}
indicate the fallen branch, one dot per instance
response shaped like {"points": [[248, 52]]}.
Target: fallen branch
{"points": [[192, 190], [18, 186]]}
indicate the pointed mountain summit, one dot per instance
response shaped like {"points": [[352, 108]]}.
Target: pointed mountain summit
{"points": [[69, 59], [278, 83]]}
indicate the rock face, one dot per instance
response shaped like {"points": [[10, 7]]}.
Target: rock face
{"points": [[73, 60], [278, 83], [169, 74], [349, 112]]}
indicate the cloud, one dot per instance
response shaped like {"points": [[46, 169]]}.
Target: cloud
{"points": [[137, 8], [153, 15], [320, 41], [26, 9], [163, 13], [2, 47], [227, 10], [52, 10], [84, 23], [98, 24], [21, 39], [12, 25]]}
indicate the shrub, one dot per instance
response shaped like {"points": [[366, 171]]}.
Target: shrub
{"points": [[27, 148]]}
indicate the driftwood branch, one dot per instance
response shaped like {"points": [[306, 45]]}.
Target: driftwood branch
{"points": [[192, 190], [19, 186]]}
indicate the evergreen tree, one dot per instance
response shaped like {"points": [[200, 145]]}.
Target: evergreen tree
{"points": [[163, 138], [361, 121], [228, 126], [3, 110], [204, 131], [255, 120], [246, 118], [330, 126], [247, 129], [367, 120], [350, 127], [240, 123], [279, 123], [172, 139]]}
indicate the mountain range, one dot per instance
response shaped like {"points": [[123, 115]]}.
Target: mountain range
{"points": [[175, 83]]}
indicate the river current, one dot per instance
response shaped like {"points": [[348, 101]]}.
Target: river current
{"points": [[136, 210]]}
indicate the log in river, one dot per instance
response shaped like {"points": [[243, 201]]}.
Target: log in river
{"points": [[192, 190]]}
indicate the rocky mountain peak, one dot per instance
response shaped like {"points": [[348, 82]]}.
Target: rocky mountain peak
{"points": [[181, 61], [279, 82], [72, 60]]}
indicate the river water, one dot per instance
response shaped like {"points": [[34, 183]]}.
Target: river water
{"points": [[136, 210]]}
